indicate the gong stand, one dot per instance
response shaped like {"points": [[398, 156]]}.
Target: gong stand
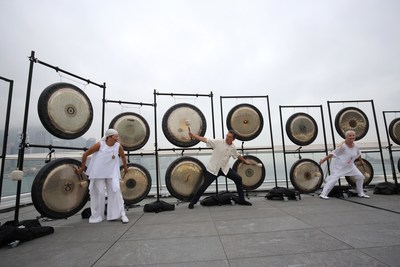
{"points": [[299, 149], [243, 149], [23, 144], [157, 150], [6, 127], [390, 145], [375, 124], [129, 153]]}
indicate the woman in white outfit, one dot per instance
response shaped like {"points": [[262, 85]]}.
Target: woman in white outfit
{"points": [[104, 172], [343, 165]]}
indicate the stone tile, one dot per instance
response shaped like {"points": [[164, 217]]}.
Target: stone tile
{"points": [[368, 235], [160, 251], [387, 255], [45, 251], [346, 258], [278, 243], [217, 263], [258, 225], [170, 230]]}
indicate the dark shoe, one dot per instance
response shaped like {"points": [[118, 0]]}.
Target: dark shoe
{"points": [[245, 203], [191, 206]]}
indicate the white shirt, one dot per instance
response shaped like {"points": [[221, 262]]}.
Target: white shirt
{"points": [[220, 156]]}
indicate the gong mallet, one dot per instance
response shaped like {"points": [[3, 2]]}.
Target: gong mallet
{"points": [[187, 123], [258, 164]]}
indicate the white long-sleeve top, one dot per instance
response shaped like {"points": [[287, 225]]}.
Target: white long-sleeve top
{"points": [[220, 156]]}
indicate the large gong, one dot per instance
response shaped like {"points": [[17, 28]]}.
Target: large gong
{"points": [[351, 118], [183, 176], [177, 121], [65, 110], [135, 184], [301, 129], [246, 120], [366, 170], [252, 175], [306, 175], [133, 130], [394, 130], [57, 191]]}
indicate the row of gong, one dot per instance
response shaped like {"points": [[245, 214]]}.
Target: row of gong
{"points": [[184, 174]]}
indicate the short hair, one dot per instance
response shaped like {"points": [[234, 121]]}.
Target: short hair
{"points": [[349, 132], [233, 132]]}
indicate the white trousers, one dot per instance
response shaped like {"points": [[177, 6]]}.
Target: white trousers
{"points": [[115, 201], [333, 178]]}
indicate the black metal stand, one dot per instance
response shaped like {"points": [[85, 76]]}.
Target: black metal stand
{"points": [[271, 147], [298, 150], [390, 146], [174, 149], [23, 143], [6, 129], [375, 124]]}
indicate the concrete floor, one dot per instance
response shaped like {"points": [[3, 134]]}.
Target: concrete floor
{"points": [[309, 232]]}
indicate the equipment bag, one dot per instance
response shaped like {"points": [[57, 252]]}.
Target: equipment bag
{"points": [[386, 188], [280, 193]]}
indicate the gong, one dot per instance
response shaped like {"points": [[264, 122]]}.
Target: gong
{"points": [[252, 175], [65, 110], [301, 129], [306, 175], [57, 191], [133, 130], [366, 169], [176, 123], [135, 184], [394, 130], [354, 119], [183, 176], [246, 120]]}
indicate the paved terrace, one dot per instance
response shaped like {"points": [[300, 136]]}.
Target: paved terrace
{"points": [[310, 232]]}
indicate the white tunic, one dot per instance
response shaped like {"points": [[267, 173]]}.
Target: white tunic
{"points": [[343, 165], [105, 164], [220, 156]]}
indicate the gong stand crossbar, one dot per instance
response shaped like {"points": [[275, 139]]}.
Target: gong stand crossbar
{"points": [[243, 149], [23, 144], [50, 147], [299, 149], [390, 145], [156, 94], [6, 128], [371, 102]]}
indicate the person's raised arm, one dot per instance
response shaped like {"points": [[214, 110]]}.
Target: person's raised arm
{"points": [[198, 137]]}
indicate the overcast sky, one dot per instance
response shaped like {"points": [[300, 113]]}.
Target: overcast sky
{"points": [[296, 52]]}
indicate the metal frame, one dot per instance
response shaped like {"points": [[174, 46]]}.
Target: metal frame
{"points": [[389, 147], [298, 149], [375, 123], [156, 149], [257, 148], [23, 144], [6, 129]]}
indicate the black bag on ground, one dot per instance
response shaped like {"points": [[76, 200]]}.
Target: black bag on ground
{"points": [[24, 231], [278, 193], [386, 188], [338, 190], [158, 206], [224, 198]]}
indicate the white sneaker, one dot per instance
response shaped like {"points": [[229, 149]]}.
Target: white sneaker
{"points": [[364, 196], [323, 196], [124, 219]]}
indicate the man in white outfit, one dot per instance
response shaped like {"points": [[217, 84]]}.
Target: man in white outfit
{"points": [[343, 165], [104, 172]]}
